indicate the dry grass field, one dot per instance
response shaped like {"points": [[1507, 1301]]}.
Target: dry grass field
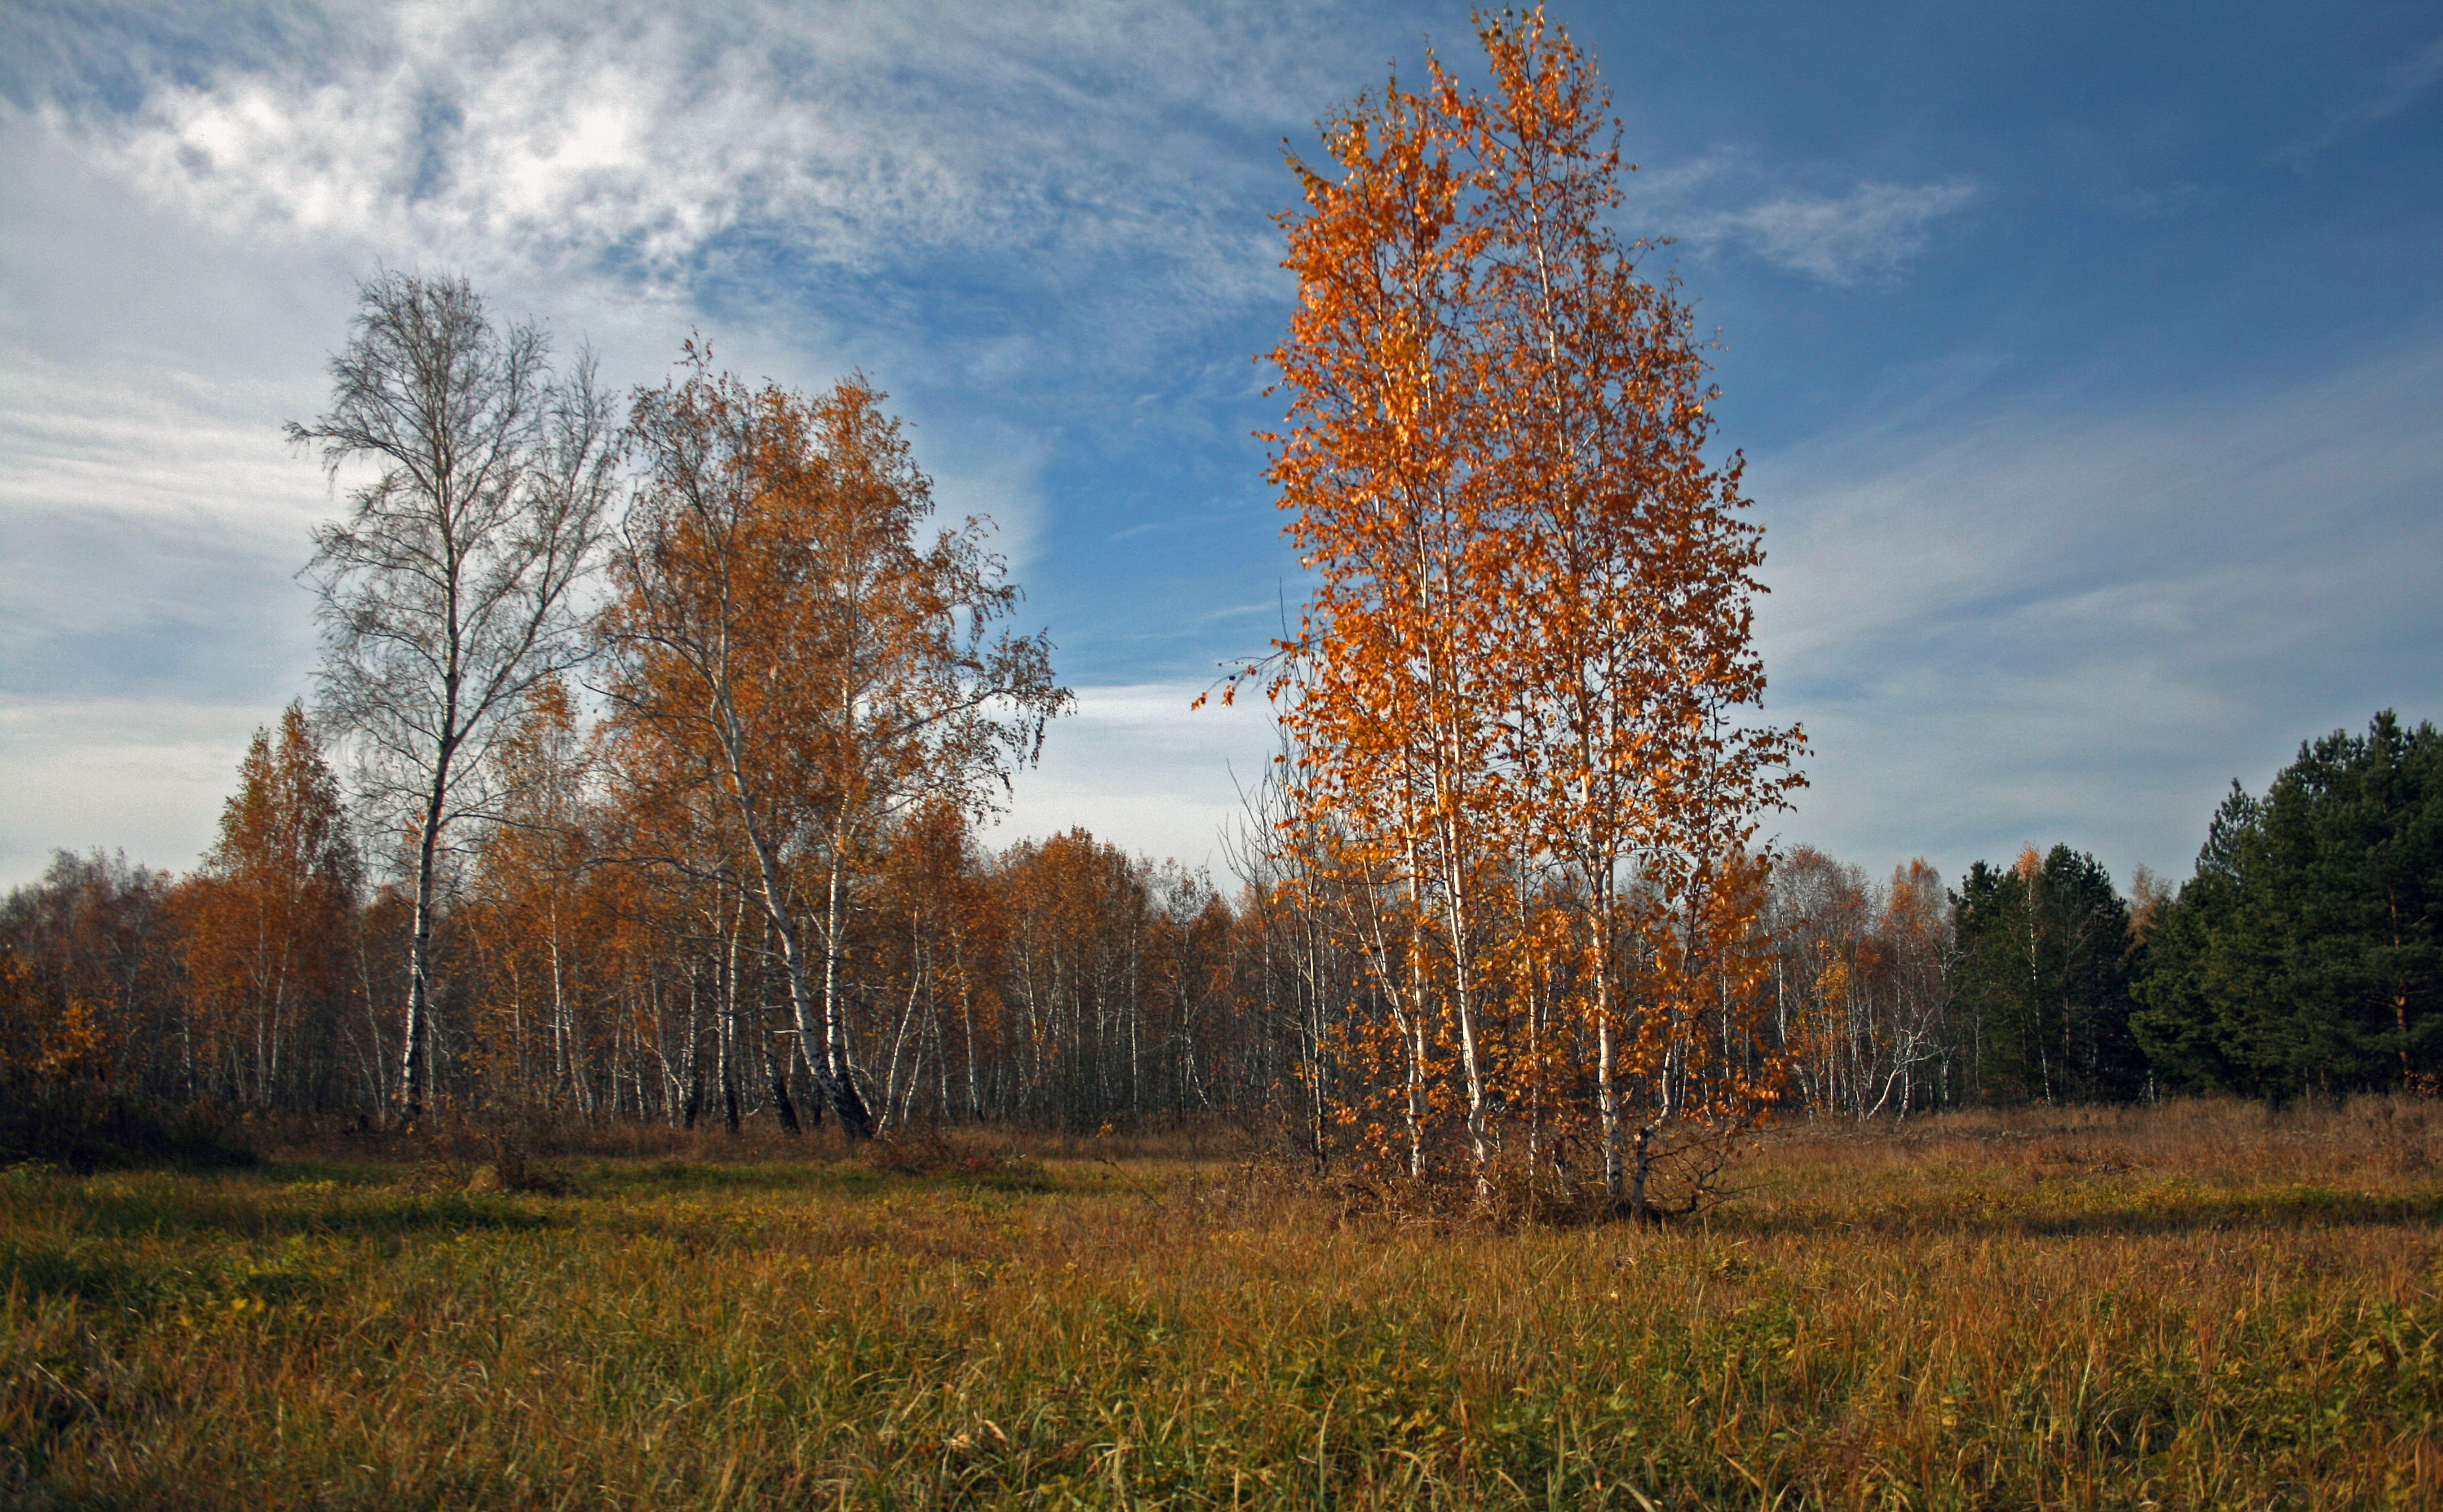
{"points": [[2197, 1305]]}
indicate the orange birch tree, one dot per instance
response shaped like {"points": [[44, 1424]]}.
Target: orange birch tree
{"points": [[780, 639], [1632, 570], [267, 916], [1397, 709], [535, 900], [1528, 649]]}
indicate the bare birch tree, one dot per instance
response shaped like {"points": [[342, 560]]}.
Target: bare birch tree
{"points": [[447, 592]]}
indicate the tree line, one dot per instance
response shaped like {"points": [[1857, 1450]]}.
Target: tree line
{"points": [[1061, 983]]}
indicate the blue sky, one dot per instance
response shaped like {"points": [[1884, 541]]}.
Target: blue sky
{"points": [[2089, 358]]}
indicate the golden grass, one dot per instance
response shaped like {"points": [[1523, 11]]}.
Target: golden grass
{"points": [[2200, 1305]]}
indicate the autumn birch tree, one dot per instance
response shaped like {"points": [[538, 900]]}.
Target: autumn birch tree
{"points": [[1632, 577], [1529, 648], [1397, 710], [782, 639], [537, 899], [266, 917]]}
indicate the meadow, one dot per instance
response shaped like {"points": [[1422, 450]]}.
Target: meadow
{"points": [[2202, 1304]]}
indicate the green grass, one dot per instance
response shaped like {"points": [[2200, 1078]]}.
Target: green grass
{"points": [[2090, 1310]]}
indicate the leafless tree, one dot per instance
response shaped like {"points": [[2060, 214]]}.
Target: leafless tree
{"points": [[447, 592]]}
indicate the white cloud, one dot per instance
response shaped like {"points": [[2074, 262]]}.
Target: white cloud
{"points": [[1864, 234], [1143, 772], [632, 143]]}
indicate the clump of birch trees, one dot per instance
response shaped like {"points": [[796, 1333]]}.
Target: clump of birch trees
{"points": [[1524, 776]]}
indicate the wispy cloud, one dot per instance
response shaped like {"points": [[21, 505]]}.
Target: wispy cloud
{"points": [[1867, 233], [2395, 90], [2060, 621]]}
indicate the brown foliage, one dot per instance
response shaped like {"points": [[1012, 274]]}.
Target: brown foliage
{"points": [[267, 923]]}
